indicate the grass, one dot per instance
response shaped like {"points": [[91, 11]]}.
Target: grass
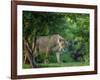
{"points": [[67, 61], [26, 66]]}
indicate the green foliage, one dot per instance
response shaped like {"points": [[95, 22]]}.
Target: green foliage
{"points": [[74, 27]]}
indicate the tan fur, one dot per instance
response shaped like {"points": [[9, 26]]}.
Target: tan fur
{"points": [[47, 43]]}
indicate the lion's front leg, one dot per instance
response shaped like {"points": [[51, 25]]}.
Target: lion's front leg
{"points": [[58, 57]]}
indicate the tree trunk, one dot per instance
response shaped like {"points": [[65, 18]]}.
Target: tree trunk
{"points": [[30, 55]]}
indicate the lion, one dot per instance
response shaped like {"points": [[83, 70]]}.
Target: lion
{"points": [[46, 44]]}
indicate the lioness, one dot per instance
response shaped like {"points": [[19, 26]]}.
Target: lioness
{"points": [[45, 44]]}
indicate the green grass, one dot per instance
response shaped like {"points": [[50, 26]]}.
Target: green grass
{"points": [[67, 61], [57, 65]]}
